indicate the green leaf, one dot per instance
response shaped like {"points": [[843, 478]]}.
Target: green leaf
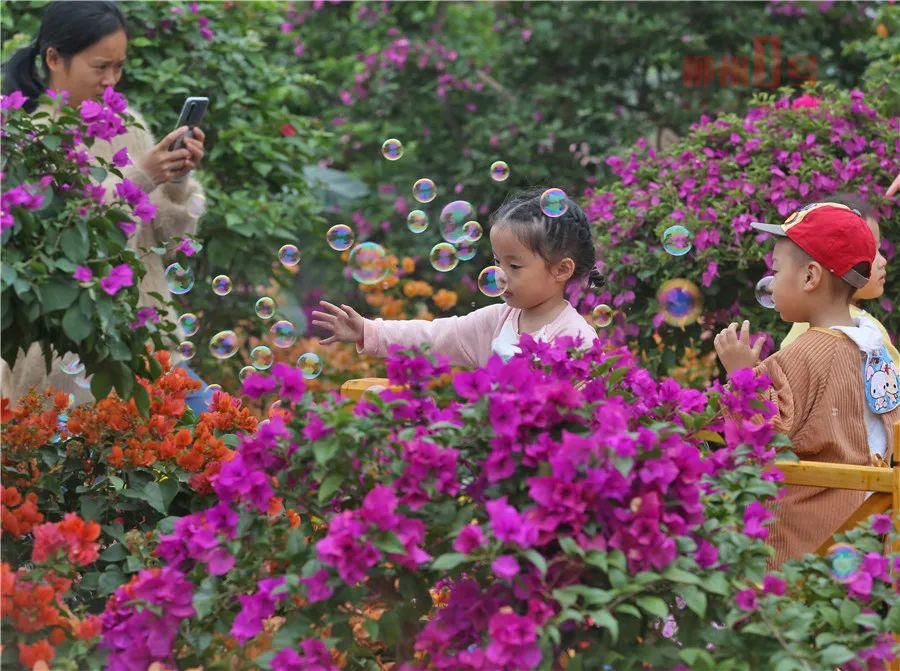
{"points": [[75, 325], [835, 655], [92, 508], [653, 605], [58, 295], [98, 173], [694, 597], [111, 579], [849, 611], [537, 559], [605, 620], [101, 383], [115, 552], [75, 245], [141, 400], [570, 547], [676, 574], [697, 659], [448, 561], [329, 486], [206, 596]]}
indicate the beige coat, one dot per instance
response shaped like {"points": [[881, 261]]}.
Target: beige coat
{"points": [[179, 206]]}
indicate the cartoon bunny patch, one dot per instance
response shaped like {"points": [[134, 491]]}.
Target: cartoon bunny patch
{"points": [[882, 382]]}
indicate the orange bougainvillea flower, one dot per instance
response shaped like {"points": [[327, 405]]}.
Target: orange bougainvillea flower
{"points": [[17, 516], [408, 265], [79, 538], [416, 288], [31, 654], [88, 628], [445, 299]]}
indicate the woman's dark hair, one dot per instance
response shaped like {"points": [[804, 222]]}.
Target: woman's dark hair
{"points": [[552, 238], [69, 26]]}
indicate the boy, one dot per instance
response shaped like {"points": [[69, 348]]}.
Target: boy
{"points": [[825, 403]]}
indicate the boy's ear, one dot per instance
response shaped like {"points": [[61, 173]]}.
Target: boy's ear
{"points": [[563, 271], [815, 276]]}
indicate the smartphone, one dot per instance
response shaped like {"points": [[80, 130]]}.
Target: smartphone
{"points": [[192, 113]]}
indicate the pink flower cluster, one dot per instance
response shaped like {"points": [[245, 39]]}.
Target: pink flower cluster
{"points": [[137, 198], [142, 618], [102, 118], [24, 195], [196, 538]]}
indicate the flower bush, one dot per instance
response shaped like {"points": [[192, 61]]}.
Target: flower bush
{"points": [[728, 172], [69, 280], [85, 489], [499, 519]]}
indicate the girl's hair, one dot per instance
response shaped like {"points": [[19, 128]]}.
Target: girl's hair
{"points": [[855, 201], [552, 238], [67, 26]]}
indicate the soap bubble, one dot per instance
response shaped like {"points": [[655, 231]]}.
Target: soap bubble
{"points": [[310, 365], [265, 308], [602, 315], [368, 263], [221, 285], [340, 237], [189, 324], [261, 357], [392, 149], [676, 240], [417, 221], [424, 190], [213, 388], [473, 231], [223, 344], [844, 560], [499, 171], [466, 250], [283, 333], [196, 205], [764, 294], [179, 279], [289, 255], [453, 220], [680, 301], [554, 203], [82, 382], [492, 281], [245, 371], [187, 349], [443, 257], [71, 364]]}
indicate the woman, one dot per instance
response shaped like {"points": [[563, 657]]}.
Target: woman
{"points": [[81, 47]]}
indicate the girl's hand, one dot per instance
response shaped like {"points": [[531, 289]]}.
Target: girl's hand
{"points": [[162, 165], [193, 142], [734, 349], [344, 323]]}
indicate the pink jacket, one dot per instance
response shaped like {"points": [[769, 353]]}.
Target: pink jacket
{"points": [[467, 340]]}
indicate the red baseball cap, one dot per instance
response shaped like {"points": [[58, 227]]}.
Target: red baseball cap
{"points": [[832, 234]]}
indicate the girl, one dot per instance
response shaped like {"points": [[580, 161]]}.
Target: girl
{"points": [[81, 48], [540, 255], [874, 288]]}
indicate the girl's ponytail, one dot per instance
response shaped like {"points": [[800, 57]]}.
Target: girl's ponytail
{"points": [[20, 74], [595, 279]]}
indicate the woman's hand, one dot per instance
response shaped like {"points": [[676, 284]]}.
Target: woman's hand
{"points": [[160, 164], [193, 142], [344, 323]]}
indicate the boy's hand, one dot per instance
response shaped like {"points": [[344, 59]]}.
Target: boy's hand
{"points": [[344, 323], [734, 348]]}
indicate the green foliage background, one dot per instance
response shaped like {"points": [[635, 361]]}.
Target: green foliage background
{"points": [[551, 88]]}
